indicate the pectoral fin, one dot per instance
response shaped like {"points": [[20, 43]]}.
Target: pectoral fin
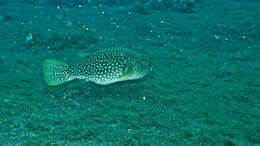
{"points": [[127, 71]]}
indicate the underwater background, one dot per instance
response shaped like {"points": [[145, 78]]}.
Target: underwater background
{"points": [[204, 88]]}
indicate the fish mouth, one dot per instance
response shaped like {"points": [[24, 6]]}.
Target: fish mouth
{"points": [[151, 68]]}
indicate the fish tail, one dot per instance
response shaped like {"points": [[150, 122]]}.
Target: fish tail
{"points": [[56, 72]]}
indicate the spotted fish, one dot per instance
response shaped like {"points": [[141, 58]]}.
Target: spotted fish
{"points": [[102, 67]]}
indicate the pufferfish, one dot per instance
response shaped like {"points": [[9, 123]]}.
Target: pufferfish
{"points": [[102, 67]]}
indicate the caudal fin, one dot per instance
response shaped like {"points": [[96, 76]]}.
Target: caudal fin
{"points": [[55, 72]]}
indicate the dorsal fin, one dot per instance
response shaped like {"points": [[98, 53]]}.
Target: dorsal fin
{"points": [[83, 54]]}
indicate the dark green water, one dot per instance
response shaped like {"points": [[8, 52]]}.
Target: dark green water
{"points": [[204, 88]]}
